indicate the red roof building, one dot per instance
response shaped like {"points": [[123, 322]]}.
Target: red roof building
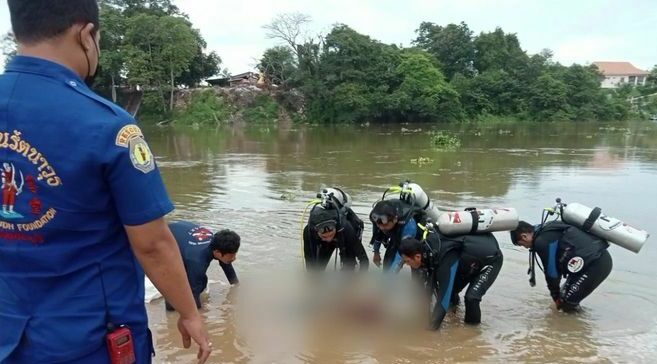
{"points": [[616, 74]]}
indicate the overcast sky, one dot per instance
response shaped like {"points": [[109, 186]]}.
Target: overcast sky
{"points": [[580, 31]]}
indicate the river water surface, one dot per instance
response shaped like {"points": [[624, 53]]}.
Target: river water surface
{"points": [[258, 180]]}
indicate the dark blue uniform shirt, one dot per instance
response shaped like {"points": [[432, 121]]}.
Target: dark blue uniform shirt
{"points": [[75, 170], [194, 243]]}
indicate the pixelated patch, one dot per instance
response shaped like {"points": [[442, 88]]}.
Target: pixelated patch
{"points": [[126, 134], [575, 264], [200, 235], [141, 156]]}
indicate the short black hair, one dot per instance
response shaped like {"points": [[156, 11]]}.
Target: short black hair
{"points": [[36, 20], [410, 247], [523, 227], [386, 207], [226, 242]]}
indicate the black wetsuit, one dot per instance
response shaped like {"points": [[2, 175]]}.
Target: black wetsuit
{"points": [[194, 243], [569, 252], [452, 263], [317, 253]]}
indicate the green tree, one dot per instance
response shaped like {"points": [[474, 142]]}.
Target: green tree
{"points": [[118, 53], [131, 8], [203, 66], [584, 93], [652, 78], [358, 64], [548, 99], [112, 59], [452, 46], [473, 97], [423, 94], [159, 49], [278, 65], [499, 51]]}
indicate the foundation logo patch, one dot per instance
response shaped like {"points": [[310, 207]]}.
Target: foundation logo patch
{"points": [[24, 175]]}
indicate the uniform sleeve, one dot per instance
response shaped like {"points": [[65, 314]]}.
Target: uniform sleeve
{"points": [[133, 177], [445, 275], [230, 273]]}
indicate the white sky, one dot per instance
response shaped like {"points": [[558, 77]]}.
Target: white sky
{"points": [[580, 31]]}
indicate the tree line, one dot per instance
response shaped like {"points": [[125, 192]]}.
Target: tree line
{"points": [[449, 73]]}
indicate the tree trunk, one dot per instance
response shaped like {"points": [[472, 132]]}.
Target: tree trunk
{"points": [[171, 96], [113, 90]]}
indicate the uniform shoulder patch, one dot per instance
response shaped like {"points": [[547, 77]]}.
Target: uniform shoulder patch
{"points": [[127, 133], [140, 155]]}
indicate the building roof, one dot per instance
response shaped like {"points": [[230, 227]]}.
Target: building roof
{"points": [[619, 69]]}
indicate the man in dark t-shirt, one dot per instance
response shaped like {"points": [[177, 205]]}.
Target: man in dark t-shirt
{"points": [[198, 247]]}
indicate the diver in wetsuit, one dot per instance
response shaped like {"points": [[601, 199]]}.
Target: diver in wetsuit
{"points": [[566, 251], [449, 264], [329, 229]]}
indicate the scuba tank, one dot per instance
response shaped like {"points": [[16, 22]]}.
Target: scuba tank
{"points": [[608, 228], [473, 221], [414, 195], [334, 194]]}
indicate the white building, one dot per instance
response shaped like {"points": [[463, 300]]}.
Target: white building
{"points": [[620, 73]]}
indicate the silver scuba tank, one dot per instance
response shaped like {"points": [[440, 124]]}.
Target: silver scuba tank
{"points": [[412, 193], [474, 221], [335, 194], [602, 226]]}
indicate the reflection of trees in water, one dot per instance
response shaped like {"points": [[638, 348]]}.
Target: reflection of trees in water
{"points": [[492, 159]]}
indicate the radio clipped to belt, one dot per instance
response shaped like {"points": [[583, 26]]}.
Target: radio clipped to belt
{"points": [[120, 346]]}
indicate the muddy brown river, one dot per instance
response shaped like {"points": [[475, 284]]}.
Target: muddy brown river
{"points": [[257, 181]]}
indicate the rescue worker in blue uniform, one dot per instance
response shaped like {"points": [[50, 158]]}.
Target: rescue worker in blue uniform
{"points": [[84, 203], [392, 221], [449, 264], [198, 248], [569, 252], [328, 229]]}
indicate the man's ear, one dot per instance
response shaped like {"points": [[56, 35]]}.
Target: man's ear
{"points": [[88, 36]]}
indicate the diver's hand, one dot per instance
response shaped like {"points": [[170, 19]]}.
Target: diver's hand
{"points": [[376, 259]]}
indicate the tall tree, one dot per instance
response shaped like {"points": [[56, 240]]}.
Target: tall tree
{"points": [[289, 28], [159, 49], [278, 65], [452, 45], [203, 66], [112, 59], [498, 51], [423, 94]]}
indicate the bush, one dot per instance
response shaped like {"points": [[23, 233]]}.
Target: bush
{"points": [[263, 110], [206, 107]]}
